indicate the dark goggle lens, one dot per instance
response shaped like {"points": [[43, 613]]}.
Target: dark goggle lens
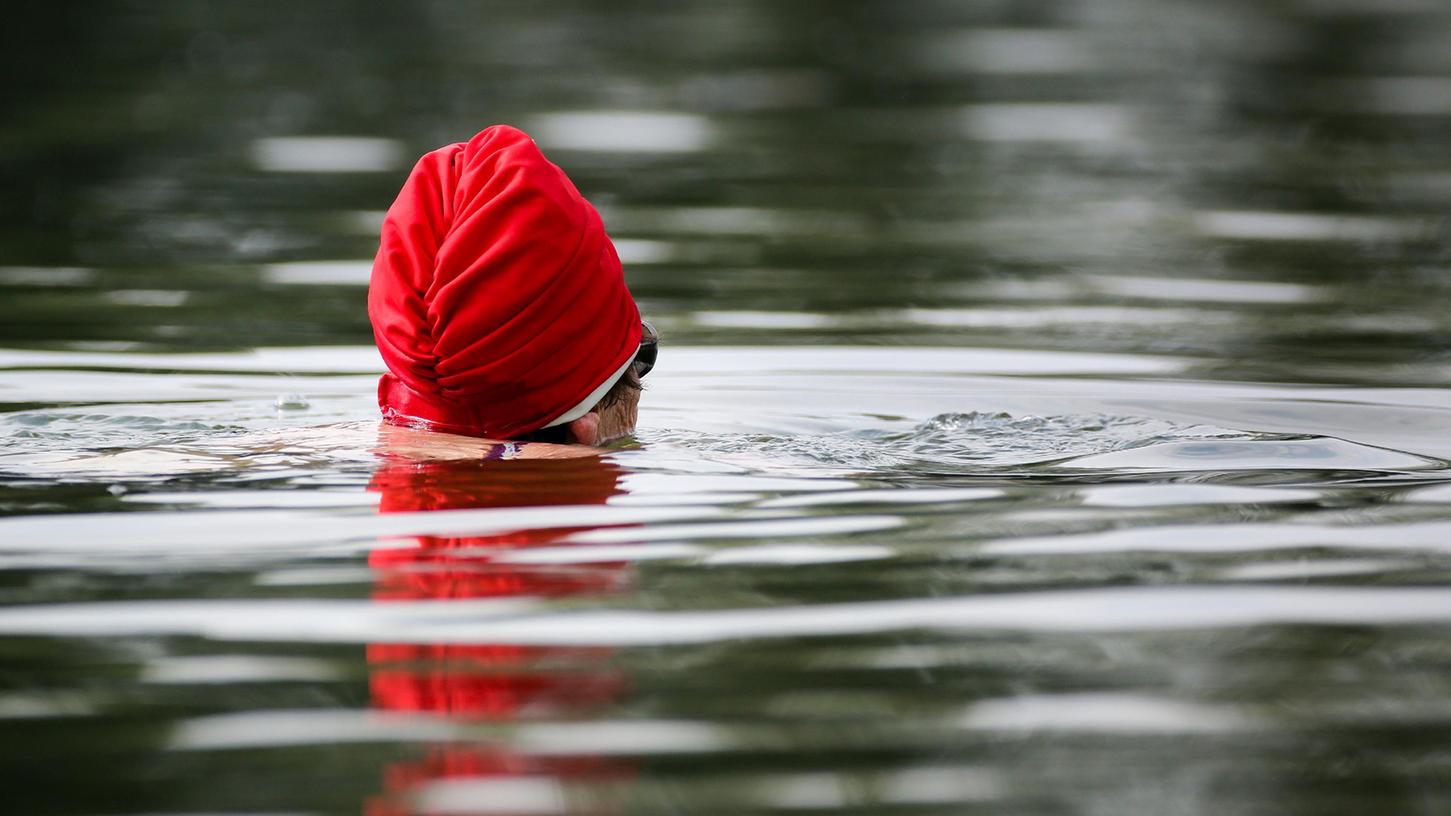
{"points": [[649, 350]]}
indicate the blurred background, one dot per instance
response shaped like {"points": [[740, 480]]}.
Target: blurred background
{"points": [[1257, 185]]}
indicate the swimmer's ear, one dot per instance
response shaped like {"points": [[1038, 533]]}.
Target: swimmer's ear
{"points": [[586, 429]]}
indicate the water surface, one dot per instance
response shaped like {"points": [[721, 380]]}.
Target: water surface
{"points": [[1052, 417]]}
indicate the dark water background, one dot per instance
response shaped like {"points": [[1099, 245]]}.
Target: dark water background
{"points": [[1052, 417]]}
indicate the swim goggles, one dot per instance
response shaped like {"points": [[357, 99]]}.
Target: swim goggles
{"points": [[649, 350]]}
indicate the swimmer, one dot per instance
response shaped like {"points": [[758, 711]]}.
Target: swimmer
{"points": [[500, 308]]}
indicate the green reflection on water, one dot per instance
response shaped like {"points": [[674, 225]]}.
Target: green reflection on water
{"points": [[861, 172]]}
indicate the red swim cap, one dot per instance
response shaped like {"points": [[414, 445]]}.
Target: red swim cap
{"points": [[497, 299]]}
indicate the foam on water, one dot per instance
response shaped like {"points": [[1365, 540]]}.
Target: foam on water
{"points": [[980, 443]]}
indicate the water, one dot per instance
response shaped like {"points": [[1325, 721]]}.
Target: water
{"points": [[1052, 417]]}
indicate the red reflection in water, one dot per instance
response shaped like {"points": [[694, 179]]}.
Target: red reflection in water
{"points": [[488, 682]]}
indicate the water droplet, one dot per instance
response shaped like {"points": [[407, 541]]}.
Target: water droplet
{"points": [[292, 402]]}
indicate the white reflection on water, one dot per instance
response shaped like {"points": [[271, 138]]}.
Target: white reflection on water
{"points": [[529, 622], [642, 251], [327, 154], [151, 298], [319, 273], [1298, 226], [266, 533], [1256, 454], [254, 729], [762, 320], [323, 726], [622, 737], [860, 359], [46, 705], [1163, 495], [1429, 536], [651, 487], [599, 554], [921, 785], [1067, 122], [1430, 495], [812, 526], [260, 499], [1047, 316], [867, 496], [1002, 51], [236, 668], [518, 796], [362, 222], [46, 276], [1116, 713], [616, 131], [1164, 287], [298, 360], [799, 554], [817, 791], [1306, 568]]}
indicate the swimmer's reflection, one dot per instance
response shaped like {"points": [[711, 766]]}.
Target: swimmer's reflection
{"points": [[488, 682]]}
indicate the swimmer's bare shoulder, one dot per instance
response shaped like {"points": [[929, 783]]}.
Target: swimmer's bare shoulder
{"points": [[416, 443]]}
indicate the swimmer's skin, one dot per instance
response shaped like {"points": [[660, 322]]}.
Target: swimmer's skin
{"points": [[595, 428], [419, 444]]}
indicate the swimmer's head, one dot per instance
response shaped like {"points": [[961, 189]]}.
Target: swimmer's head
{"points": [[498, 302]]}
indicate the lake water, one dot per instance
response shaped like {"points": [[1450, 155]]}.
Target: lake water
{"points": [[1052, 415]]}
